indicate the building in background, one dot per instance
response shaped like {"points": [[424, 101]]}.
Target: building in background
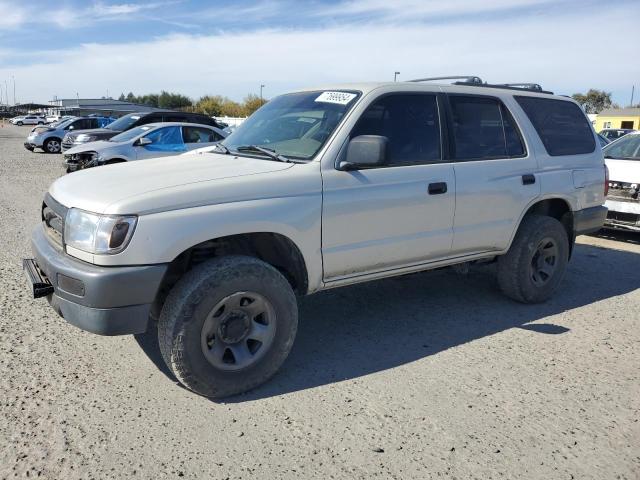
{"points": [[95, 106], [618, 118]]}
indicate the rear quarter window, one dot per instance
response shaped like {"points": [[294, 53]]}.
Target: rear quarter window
{"points": [[561, 125]]}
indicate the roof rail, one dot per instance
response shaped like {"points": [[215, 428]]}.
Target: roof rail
{"points": [[527, 86], [474, 81], [466, 79]]}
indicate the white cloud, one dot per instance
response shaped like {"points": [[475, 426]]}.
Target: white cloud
{"points": [[11, 16], [559, 52]]}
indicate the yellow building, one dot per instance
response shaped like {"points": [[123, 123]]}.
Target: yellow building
{"points": [[618, 118]]}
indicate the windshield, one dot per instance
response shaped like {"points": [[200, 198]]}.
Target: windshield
{"points": [[62, 123], [123, 123], [627, 148], [130, 134], [295, 125]]}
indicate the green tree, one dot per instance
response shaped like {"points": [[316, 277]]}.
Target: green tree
{"points": [[172, 100], [210, 105], [252, 103], [594, 101], [122, 98], [131, 98]]}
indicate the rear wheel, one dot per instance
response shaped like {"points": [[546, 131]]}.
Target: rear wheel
{"points": [[52, 145], [536, 262], [228, 325]]}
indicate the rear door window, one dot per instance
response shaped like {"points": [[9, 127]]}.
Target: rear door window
{"points": [[483, 129], [561, 125]]}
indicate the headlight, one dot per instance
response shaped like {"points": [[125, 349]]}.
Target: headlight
{"points": [[99, 234], [83, 137]]}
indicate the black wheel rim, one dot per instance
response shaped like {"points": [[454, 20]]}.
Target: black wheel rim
{"points": [[544, 262], [238, 331]]}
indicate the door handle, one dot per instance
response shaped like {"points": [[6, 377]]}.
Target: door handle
{"points": [[437, 188], [528, 179]]}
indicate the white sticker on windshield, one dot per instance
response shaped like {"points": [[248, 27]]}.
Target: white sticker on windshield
{"points": [[341, 98]]}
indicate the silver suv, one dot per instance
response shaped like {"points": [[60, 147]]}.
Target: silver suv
{"points": [[318, 189]]}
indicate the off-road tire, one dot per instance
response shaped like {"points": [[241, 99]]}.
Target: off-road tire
{"points": [[189, 304], [48, 145], [514, 268]]}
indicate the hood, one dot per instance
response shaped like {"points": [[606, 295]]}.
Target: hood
{"points": [[97, 146], [101, 133], [627, 171], [163, 183]]}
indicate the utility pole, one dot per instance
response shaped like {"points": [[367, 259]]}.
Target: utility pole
{"points": [[261, 87], [633, 88], [14, 90], [395, 76]]}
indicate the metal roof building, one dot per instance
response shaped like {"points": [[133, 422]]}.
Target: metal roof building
{"points": [[102, 106]]}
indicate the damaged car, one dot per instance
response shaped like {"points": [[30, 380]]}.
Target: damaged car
{"points": [[147, 141], [623, 161]]}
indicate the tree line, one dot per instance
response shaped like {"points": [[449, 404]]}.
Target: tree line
{"points": [[595, 101], [214, 105]]}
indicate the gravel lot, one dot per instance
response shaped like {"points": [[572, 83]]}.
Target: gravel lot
{"points": [[427, 376]]}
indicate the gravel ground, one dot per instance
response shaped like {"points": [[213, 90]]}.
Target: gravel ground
{"points": [[431, 375]]}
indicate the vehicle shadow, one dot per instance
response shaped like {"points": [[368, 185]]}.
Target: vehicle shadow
{"points": [[363, 329]]}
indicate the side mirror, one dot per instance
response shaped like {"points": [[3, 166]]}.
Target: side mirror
{"points": [[142, 141], [365, 151]]}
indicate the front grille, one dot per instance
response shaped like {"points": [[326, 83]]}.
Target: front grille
{"points": [[53, 215], [623, 217]]}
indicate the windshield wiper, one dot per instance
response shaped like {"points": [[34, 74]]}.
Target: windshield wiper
{"points": [[223, 148], [267, 151]]}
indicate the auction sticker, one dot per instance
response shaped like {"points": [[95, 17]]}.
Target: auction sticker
{"points": [[341, 98]]}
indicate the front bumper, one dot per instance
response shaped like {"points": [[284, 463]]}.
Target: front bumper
{"points": [[589, 220], [623, 215], [33, 142], [102, 300]]}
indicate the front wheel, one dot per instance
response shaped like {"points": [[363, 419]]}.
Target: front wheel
{"points": [[19, 124], [52, 145], [228, 325], [536, 262]]}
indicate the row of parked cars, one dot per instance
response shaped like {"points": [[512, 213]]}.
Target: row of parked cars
{"points": [[92, 141]]}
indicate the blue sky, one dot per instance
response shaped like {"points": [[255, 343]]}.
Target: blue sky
{"points": [[231, 47]]}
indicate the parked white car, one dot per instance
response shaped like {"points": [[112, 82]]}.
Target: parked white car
{"points": [[623, 161], [28, 120], [146, 141], [318, 189]]}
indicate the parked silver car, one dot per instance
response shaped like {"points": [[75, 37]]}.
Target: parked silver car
{"points": [[147, 141], [31, 119], [49, 138]]}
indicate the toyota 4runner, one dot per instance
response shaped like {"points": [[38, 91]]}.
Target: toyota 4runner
{"points": [[318, 189]]}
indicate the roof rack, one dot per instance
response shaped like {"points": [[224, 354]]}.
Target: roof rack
{"points": [[467, 79], [474, 81]]}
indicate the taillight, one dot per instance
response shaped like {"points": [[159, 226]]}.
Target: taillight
{"points": [[606, 181]]}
